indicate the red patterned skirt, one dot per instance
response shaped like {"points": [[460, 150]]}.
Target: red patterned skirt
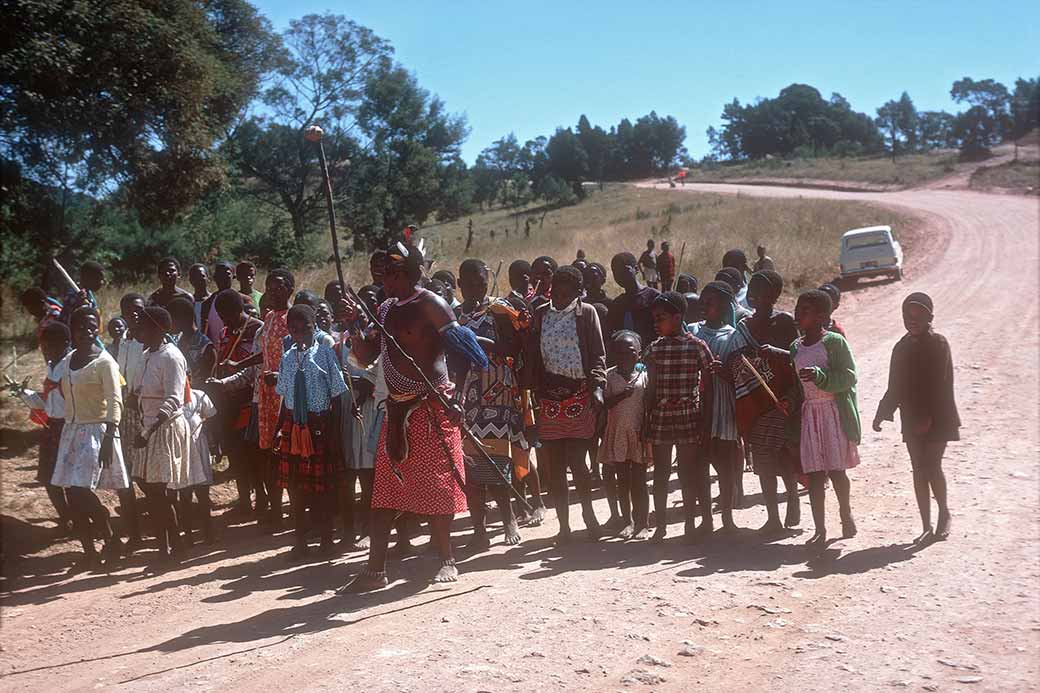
{"points": [[569, 418], [311, 474], [433, 471]]}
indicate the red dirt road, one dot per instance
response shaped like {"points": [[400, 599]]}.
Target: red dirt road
{"points": [[868, 613]]}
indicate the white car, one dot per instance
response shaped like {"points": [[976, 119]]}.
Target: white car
{"points": [[869, 252]]}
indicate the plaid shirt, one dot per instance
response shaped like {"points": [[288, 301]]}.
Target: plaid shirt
{"points": [[675, 365]]}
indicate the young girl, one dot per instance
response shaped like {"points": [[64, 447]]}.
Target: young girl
{"points": [[198, 408], [830, 419], [310, 382], [569, 366], [166, 438], [920, 386], [622, 445], [723, 444], [89, 454], [193, 343], [676, 363], [47, 408], [762, 423]]}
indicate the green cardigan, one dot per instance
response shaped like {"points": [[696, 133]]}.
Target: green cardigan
{"points": [[839, 379]]}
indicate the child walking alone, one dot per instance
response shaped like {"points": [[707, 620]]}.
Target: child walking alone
{"points": [[622, 445], [920, 386], [830, 418]]}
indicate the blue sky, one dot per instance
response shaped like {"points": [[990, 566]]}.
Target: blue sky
{"points": [[528, 67]]}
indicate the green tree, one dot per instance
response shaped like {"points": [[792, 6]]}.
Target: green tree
{"points": [[568, 160], [935, 129], [988, 120], [1025, 109], [321, 78], [100, 97]]}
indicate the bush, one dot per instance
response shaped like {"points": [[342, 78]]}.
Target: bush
{"points": [[846, 148]]}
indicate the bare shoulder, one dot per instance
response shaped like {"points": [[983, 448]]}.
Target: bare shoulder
{"points": [[436, 309]]}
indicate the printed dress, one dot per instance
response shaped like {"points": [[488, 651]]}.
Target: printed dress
{"points": [[354, 433], [621, 441], [197, 410], [566, 403], [163, 386], [723, 342], [824, 445], [268, 402], [93, 399]]}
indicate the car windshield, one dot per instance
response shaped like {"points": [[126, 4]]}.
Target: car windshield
{"points": [[866, 240]]}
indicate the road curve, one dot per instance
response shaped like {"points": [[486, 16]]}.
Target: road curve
{"points": [[737, 614]]}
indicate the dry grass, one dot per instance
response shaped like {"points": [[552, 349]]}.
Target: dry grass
{"points": [[801, 234], [907, 171], [1019, 176]]}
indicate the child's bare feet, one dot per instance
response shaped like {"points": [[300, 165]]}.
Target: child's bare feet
{"points": [[819, 538], [848, 527], [641, 533], [615, 523], [925, 537], [447, 573], [794, 515], [562, 539], [367, 581], [942, 527], [772, 527], [537, 517], [627, 531], [659, 534], [512, 537], [362, 544]]}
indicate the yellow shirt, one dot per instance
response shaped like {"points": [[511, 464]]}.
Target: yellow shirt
{"points": [[93, 394]]}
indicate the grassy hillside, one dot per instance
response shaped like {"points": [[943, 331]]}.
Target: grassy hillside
{"points": [[801, 235], [873, 171], [1017, 176]]}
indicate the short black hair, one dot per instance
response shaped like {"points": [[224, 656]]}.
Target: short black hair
{"points": [[92, 266], [301, 311], [306, 297], [409, 258], [735, 258], [181, 307], [731, 276], [723, 289], [81, 314], [518, 267], [168, 261], [471, 265], [229, 301], [33, 293], [198, 265], [160, 317], [55, 330], [686, 283], [672, 301], [285, 275], [628, 334], [773, 279], [834, 292], [448, 277], [244, 265], [571, 273], [129, 298], [545, 260], [380, 254], [819, 300], [224, 263], [624, 258]]}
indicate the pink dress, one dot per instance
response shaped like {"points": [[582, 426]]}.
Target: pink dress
{"points": [[624, 421], [269, 402], [824, 445]]}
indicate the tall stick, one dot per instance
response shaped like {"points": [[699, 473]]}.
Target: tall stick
{"points": [[494, 287], [314, 134], [678, 267], [762, 382], [65, 275]]}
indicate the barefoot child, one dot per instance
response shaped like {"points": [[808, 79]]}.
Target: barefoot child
{"points": [[676, 363], [920, 386], [310, 382], [47, 408], [830, 419], [723, 440], [622, 445], [89, 453], [198, 408]]}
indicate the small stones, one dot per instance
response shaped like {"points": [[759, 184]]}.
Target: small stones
{"points": [[653, 661], [969, 679], [643, 676]]}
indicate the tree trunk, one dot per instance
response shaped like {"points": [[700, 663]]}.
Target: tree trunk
{"points": [[469, 235]]}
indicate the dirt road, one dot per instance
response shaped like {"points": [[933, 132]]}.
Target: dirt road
{"points": [[868, 613]]}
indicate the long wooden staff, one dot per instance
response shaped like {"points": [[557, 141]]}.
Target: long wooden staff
{"points": [[313, 134]]}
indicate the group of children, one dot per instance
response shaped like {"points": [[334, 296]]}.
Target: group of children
{"points": [[287, 388]]}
